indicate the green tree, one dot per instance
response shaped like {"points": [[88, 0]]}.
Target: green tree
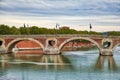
{"points": [[14, 31], [114, 33], [24, 30], [34, 30], [44, 31], [4, 29]]}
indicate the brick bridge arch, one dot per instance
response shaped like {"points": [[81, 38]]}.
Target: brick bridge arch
{"points": [[115, 46], [74, 38], [2, 42], [15, 41]]}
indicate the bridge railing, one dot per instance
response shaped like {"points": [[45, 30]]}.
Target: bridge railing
{"points": [[52, 35]]}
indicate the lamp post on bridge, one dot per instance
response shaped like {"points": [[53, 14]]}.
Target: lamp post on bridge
{"points": [[56, 28], [90, 28], [26, 31]]}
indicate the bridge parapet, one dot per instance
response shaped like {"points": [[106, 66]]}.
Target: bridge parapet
{"points": [[49, 35]]}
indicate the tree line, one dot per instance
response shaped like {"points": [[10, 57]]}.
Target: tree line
{"points": [[7, 30]]}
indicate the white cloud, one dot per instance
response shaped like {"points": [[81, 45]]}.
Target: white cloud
{"points": [[71, 13]]}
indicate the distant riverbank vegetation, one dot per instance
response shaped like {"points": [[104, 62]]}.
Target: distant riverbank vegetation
{"points": [[7, 30]]}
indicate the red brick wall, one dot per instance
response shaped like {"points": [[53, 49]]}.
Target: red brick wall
{"points": [[7, 41], [27, 44]]}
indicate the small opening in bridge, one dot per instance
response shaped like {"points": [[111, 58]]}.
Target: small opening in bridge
{"points": [[106, 44], [1, 43], [51, 42]]}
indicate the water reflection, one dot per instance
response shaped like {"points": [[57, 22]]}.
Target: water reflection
{"points": [[38, 61], [32, 66], [106, 62], [55, 62], [59, 67]]}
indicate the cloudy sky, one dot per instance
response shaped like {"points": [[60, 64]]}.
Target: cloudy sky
{"points": [[104, 15]]}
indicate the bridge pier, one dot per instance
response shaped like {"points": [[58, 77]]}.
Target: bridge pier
{"points": [[51, 46], [51, 50], [2, 49], [106, 52]]}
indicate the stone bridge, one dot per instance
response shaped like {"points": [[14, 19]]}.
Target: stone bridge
{"points": [[54, 43]]}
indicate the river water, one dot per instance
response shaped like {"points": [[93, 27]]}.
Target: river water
{"points": [[74, 65]]}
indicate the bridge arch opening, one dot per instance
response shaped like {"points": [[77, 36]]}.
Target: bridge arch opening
{"points": [[80, 42], [23, 44], [2, 45], [116, 49], [2, 41]]}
